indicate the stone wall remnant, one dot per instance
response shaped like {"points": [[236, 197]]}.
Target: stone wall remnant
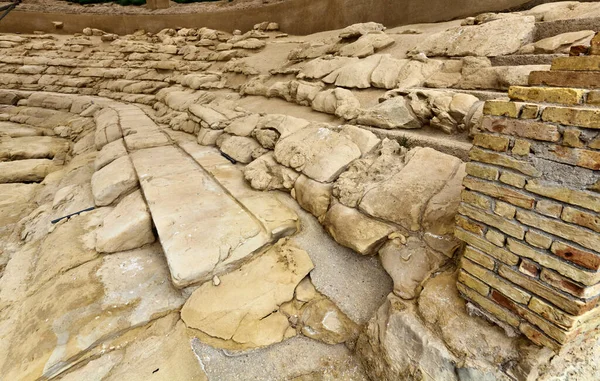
{"points": [[530, 213]]}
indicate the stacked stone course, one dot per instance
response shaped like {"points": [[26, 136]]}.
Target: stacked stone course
{"points": [[530, 211]]}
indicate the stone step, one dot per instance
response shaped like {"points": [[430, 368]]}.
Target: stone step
{"points": [[203, 230], [455, 145], [525, 59]]}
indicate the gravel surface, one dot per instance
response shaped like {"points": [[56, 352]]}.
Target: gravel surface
{"points": [[61, 6]]}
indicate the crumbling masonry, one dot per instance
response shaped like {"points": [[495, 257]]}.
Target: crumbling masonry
{"points": [[530, 208]]}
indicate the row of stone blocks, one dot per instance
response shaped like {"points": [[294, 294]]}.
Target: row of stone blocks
{"points": [[530, 211]]}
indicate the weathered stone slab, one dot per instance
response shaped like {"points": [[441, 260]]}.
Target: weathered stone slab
{"points": [[244, 307], [204, 232], [32, 147], [23, 171], [113, 181], [86, 306], [127, 227]]}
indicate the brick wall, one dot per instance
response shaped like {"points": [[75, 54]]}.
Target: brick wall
{"points": [[530, 212]]}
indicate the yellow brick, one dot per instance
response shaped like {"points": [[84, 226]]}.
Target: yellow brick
{"points": [[477, 154], [581, 218], [581, 117], [538, 239], [482, 244], [479, 257], [521, 147], [501, 108], [495, 237], [570, 305], [505, 210], [552, 262], [546, 94], [511, 228], [469, 225], [488, 277], [529, 129], [551, 313], [476, 200], [583, 63], [593, 98], [491, 307], [493, 142], [474, 283], [482, 171], [513, 179], [571, 138], [584, 199], [549, 208], [538, 337], [500, 192], [530, 112]]}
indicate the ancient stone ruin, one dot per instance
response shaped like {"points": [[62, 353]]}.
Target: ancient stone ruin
{"points": [[416, 202]]}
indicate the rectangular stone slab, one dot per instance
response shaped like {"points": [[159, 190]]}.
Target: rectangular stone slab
{"points": [[203, 231]]}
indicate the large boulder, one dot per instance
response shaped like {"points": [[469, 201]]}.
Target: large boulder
{"points": [[403, 198], [396, 345]]}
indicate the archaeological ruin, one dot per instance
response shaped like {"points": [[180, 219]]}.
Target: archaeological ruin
{"points": [[300, 190]]}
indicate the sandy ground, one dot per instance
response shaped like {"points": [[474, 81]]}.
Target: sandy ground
{"points": [[62, 6]]}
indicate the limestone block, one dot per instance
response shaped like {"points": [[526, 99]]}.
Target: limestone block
{"points": [[356, 74], [272, 127], [24, 171], [242, 149], [322, 66], [110, 153], [366, 45], [33, 147], [357, 30], [409, 264], [402, 199], [185, 202], [353, 229], [107, 127], [318, 152], [243, 126], [122, 291], [265, 173], [391, 114], [113, 181], [312, 195], [127, 227]]}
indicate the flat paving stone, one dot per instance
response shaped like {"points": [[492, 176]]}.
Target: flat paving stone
{"points": [[203, 230]]}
